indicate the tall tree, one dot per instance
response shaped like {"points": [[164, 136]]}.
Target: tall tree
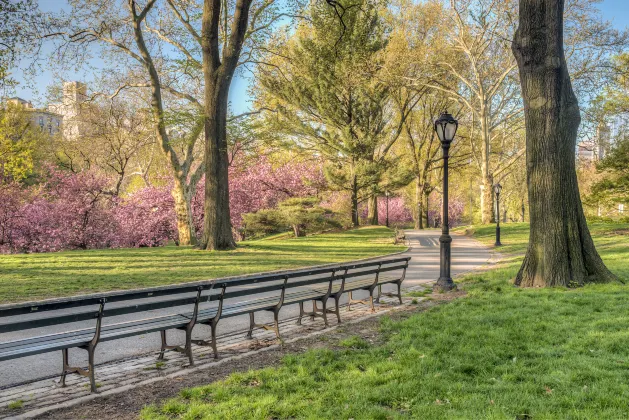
{"points": [[486, 86], [425, 151], [218, 72], [561, 251], [136, 45], [327, 85]]}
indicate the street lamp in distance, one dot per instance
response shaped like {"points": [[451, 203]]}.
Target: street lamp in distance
{"points": [[497, 190], [446, 127]]}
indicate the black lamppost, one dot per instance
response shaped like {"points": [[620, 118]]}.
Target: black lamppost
{"points": [[497, 189], [386, 194], [445, 126]]}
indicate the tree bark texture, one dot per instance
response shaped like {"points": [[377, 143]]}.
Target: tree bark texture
{"points": [[372, 210], [183, 213], [218, 73], [561, 251], [487, 200], [419, 198], [183, 210], [354, 199]]}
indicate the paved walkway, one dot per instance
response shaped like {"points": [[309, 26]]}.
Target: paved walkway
{"points": [[467, 254]]}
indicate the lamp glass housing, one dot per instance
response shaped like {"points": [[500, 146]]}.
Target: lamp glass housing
{"points": [[446, 127], [497, 188]]}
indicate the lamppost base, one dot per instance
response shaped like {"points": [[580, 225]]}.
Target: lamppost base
{"points": [[497, 244], [444, 284]]}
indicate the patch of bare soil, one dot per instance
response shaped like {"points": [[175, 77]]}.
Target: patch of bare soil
{"points": [[127, 405]]}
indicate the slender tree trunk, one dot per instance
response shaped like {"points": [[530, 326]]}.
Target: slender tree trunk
{"points": [[298, 231], [354, 199], [419, 198], [487, 200], [182, 200], [355, 218], [486, 193], [427, 211], [183, 212], [372, 210], [561, 251]]}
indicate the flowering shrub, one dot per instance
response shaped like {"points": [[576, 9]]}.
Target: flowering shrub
{"points": [[146, 218], [74, 210], [399, 213], [69, 211]]}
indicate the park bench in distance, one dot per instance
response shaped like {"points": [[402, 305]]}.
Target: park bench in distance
{"points": [[223, 297]]}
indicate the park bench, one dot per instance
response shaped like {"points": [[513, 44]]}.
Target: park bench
{"points": [[199, 303]]}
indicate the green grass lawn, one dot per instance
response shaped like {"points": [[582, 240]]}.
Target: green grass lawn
{"points": [[37, 276], [500, 353]]}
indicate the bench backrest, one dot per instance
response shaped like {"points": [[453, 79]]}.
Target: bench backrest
{"points": [[95, 307]]}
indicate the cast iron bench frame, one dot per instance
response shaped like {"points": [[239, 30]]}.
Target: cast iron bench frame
{"points": [[335, 280]]}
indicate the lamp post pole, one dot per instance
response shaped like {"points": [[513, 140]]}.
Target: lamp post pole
{"points": [[497, 189], [386, 193], [445, 126]]}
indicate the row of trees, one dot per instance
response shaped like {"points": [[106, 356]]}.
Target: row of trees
{"points": [[353, 85]]}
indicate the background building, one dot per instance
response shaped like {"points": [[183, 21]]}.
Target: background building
{"points": [[72, 108], [46, 120]]}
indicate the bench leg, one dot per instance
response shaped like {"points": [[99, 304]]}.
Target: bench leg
{"points": [[301, 313], [66, 367], [337, 308], [276, 321], [164, 345], [349, 302], [90, 351], [252, 324], [379, 293], [211, 343], [188, 347], [373, 308], [315, 309], [89, 372], [399, 292], [213, 326], [325, 312]]}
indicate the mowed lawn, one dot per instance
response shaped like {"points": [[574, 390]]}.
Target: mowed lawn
{"points": [[498, 353], [37, 276]]}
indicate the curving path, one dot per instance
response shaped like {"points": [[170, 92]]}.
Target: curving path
{"points": [[467, 254]]}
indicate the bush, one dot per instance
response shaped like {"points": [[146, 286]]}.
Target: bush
{"points": [[302, 214], [305, 214], [261, 223]]}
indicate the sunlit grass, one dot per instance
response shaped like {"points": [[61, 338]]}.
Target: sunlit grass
{"points": [[36, 276], [499, 353]]}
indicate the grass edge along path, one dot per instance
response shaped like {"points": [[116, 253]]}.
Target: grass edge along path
{"points": [[500, 352], [25, 277]]}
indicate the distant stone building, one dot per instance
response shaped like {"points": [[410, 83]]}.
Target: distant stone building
{"points": [[66, 117], [46, 120], [72, 107], [606, 136]]}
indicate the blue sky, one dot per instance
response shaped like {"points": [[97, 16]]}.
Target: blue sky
{"points": [[616, 11]]}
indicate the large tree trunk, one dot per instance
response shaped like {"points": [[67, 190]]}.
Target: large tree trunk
{"points": [[561, 251], [217, 228], [372, 210], [217, 75], [183, 212]]}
